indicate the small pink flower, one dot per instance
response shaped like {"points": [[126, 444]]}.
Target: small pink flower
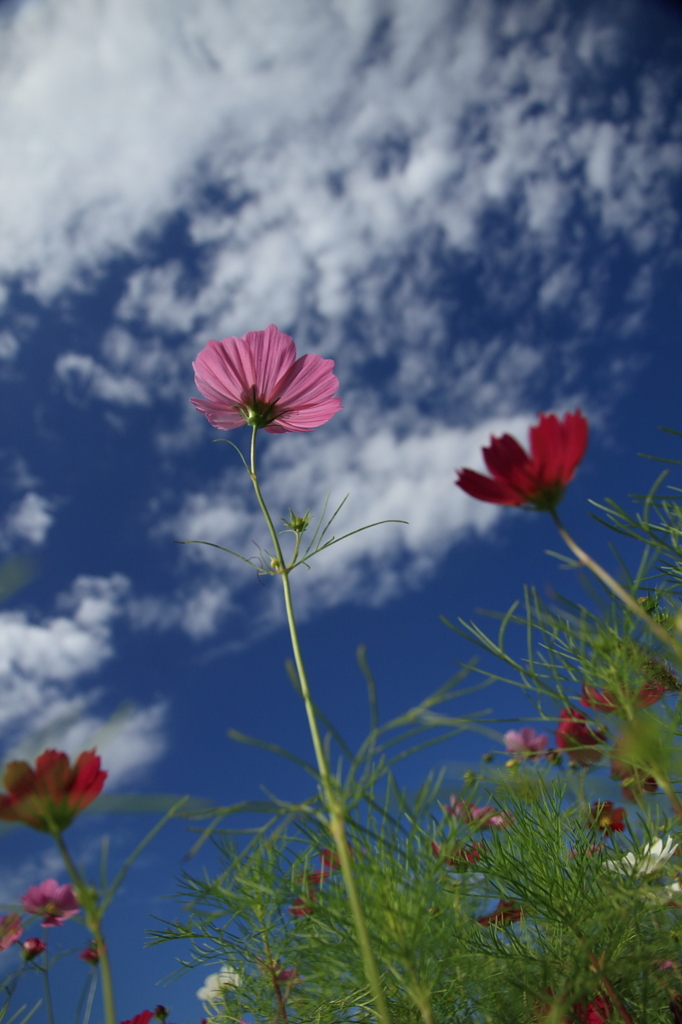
{"points": [[90, 954], [486, 817], [591, 851], [55, 902], [33, 948], [525, 741], [258, 380], [10, 930], [287, 974]]}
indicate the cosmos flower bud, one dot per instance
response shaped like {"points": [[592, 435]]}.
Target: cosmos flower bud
{"points": [[32, 948]]}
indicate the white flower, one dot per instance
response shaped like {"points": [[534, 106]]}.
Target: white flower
{"points": [[650, 858], [215, 984]]}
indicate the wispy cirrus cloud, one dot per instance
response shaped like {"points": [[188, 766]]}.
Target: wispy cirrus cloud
{"points": [[425, 195]]}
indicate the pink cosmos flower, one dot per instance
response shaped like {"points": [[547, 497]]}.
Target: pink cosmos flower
{"points": [[536, 480], [487, 817], [10, 930], [55, 902], [525, 741], [258, 380]]}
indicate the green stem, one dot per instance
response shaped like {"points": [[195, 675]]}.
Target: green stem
{"points": [[93, 923], [665, 784], [335, 807], [607, 579], [46, 985]]}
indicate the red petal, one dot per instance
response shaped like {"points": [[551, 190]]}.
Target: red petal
{"points": [[485, 489]]}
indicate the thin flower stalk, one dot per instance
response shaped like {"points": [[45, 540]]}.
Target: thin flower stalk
{"points": [[92, 912], [607, 579], [337, 824]]}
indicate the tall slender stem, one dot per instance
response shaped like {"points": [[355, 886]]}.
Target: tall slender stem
{"points": [[87, 900], [46, 984], [337, 823], [628, 600]]}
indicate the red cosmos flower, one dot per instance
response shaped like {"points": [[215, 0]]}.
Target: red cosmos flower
{"points": [[536, 480], [603, 700], [577, 737], [607, 817], [675, 1007], [596, 1012], [330, 859], [55, 902], [10, 930], [32, 948], [90, 954], [258, 380], [462, 855], [302, 907], [140, 1018], [634, 781], [505, 912], [49, 797]]}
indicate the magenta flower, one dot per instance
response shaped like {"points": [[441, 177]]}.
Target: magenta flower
{"points": [[258, 380], [10, 930], [486, 817], [55, 902], [525, 741]]}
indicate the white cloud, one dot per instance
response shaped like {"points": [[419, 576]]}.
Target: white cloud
{"points": [[9, 346], [29, 520], [393, 474], [336, 138], [42, 661], [15, 881], [325, 171]]}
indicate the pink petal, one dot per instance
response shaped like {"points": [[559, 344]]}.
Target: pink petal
{"points": [[273, 354]]}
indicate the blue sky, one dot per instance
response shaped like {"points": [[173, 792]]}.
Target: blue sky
{"points": [[473, 208]]}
